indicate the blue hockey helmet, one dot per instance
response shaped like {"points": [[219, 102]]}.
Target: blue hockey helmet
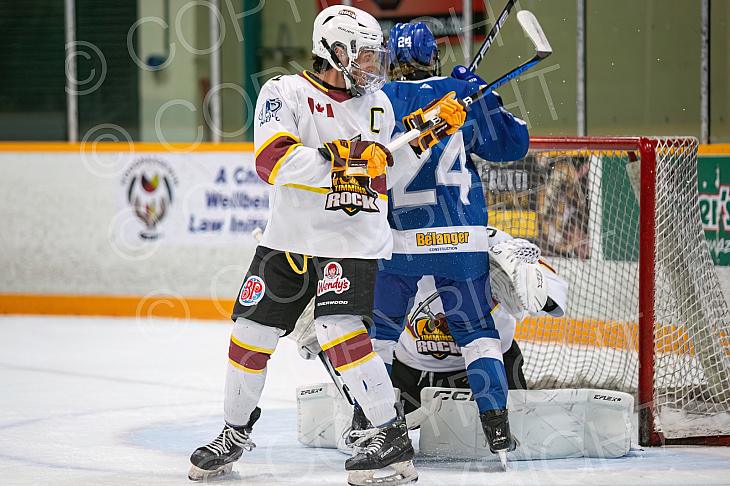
{"points": [[412, 48]]}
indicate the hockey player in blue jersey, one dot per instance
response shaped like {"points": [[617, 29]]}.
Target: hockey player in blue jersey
{"points": [[439, 219]]}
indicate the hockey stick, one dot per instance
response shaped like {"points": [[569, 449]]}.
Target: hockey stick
{"points": [[336, 378], [492, 35], [542, 50], [534, 31]]}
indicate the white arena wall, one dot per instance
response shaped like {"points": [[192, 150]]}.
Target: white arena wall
{"points": [[71, 232], [72, 241]]}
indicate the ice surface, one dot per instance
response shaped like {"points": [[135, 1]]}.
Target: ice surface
{"points": [[123, 402]]}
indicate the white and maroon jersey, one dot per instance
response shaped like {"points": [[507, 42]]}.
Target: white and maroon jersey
{"points": [[432, 348], [296, 115]]}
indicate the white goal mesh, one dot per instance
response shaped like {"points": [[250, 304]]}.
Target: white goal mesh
{"points": [[578, 200]]}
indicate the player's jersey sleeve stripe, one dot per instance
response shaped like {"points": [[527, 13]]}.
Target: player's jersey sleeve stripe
{"points": [[273, 153], [379, 185], [246, 357]]}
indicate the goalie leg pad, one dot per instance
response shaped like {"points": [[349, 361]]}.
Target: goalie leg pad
{"points": [[549, 424], [345, 341]]}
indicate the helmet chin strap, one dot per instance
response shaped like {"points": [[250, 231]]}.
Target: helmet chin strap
{"points": [[353, 85]]}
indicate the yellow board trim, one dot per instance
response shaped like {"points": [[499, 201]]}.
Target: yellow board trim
{"points": [[251, 347], [152, 306], [357, 362], [92, 146], [560, 330], [342, 339], [243, 368], [714, 149]]}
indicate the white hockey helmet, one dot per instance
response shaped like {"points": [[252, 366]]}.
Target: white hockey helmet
{"points": [[356, 34]]}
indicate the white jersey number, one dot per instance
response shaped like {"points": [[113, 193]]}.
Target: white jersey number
{"points": [[445, 176]]}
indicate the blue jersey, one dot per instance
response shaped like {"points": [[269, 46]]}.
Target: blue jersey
{"points": [[439, 215]]}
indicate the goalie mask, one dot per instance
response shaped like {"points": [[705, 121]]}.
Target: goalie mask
{"points": [[351, 41]]}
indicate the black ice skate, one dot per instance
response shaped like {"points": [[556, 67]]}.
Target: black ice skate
{"points": [[387, 446], [496, 427], [217, 458], [359, 429]]}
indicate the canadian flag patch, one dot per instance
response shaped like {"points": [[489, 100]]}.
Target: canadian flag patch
{"points": [[317, 107]]}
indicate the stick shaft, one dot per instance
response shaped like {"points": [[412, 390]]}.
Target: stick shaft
{"points": [[516, 72], [336, 378], [532, 28], [491, 36], [411, 135]]}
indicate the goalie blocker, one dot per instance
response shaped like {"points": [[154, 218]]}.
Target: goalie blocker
{"points": [[549, 424]]}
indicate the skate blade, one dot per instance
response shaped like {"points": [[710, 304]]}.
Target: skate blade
{"points": [[503, 459], [404, 473], [197, 474]]}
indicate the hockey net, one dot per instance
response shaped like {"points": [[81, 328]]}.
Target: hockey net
{"points": [[647, 314]]}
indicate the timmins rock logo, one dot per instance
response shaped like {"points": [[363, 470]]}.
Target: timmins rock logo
{"points": [[433, 337], [333, 280], [149, 183], [351, 194]]}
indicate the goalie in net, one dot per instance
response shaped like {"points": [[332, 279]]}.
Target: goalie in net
{"points": [[522, 283], [425, 353]]}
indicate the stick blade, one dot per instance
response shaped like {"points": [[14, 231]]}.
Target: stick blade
{"points": [[534, 31]]}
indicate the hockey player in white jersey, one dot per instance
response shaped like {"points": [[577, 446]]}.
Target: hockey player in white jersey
{"points": [[426, 354], [320, 141]]}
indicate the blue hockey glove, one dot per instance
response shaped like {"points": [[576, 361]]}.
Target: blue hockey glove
{"points": [[463, 73]]}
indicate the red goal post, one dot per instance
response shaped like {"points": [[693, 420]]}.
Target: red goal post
{"points": [[619, 218]]}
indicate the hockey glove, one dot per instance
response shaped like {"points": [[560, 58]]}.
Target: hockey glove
{"points": [[517, 281], [452, 116], [357, 158], [463, 73]]}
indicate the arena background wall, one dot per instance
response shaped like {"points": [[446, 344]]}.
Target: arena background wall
{"points": [[73, 243]]}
